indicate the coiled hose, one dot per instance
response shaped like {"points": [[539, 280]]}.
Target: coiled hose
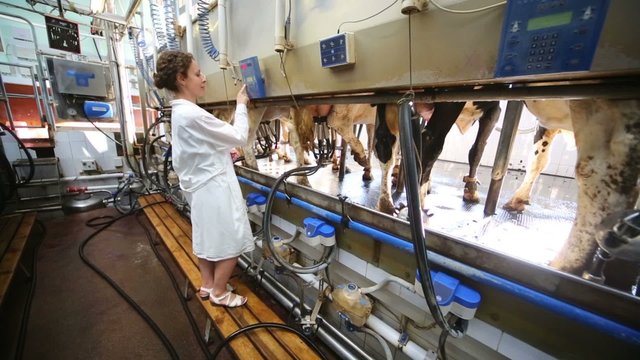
{"points": [[140, 65], [170, 22], [158, 26], [203, 26]]}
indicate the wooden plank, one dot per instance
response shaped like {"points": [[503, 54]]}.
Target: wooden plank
{"points": [[10, 260], [291, 341], [267, 343], [11, 225], [242, 347]]}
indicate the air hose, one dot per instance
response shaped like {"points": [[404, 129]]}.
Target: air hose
{"points": [[170, 23], [146, 148], [141, 67], [415, 216], [158, 25], [329, 251], [203, 26]]}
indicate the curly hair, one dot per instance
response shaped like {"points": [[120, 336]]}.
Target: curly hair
{"points": [[169, 65]]}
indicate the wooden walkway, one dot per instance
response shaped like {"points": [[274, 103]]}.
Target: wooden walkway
{"points": [[175, 231]]}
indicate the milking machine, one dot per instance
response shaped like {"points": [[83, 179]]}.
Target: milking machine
{"points": [[618, 237]]}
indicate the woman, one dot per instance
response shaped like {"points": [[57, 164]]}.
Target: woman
{"points": [[200, 153]]}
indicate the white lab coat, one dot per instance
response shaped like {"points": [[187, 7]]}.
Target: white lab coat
{"points": [[200, 156]]}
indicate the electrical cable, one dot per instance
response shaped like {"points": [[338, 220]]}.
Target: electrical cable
{"points": [[26, 311], [284, 73], [194, 326], [367, 18], [263, 326], [102, 226], [436, 4], [103, 133], [95, 44]]}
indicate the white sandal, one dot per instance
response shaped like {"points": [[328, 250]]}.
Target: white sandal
{"points": [[229, 300], [208, 292]]}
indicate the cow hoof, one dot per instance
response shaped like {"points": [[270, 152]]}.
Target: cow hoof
{"points": [[471, 197], [367, 176], [302, 180], [286, 159], [386, 207], [516, 204]]}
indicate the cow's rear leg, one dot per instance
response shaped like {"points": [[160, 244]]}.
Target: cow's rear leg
{"points": [[608, 142], [542, 144], [486, 123]]}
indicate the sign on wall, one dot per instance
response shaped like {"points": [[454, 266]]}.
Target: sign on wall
{"points": [[63, 34]]}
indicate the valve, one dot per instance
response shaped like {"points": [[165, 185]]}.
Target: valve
{"points": [[318, 232]]}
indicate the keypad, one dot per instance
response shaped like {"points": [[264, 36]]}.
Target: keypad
{"points": [[542, 50]]}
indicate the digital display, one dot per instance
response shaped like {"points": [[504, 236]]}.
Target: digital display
{"points": [[543, 22]]}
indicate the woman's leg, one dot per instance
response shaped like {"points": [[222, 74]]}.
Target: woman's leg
{"points": [[207, 269], [223, 270]]}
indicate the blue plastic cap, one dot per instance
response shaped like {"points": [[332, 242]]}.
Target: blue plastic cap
{"points": [[450, 290], [97, 109], [255, 198], [314, 227], [467, 297]]}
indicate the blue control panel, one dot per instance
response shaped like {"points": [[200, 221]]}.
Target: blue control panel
{"points": [[252, 77], [337, 50], [549, 36]]}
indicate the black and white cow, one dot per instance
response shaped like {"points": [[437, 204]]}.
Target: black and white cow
{"points": [[441, 118]]}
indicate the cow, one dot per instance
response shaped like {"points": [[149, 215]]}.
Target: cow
{"points": [[607, 134], [441, 117], [342, 118], [553, 117]]}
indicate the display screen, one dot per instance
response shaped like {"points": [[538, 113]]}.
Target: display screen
{"points": [[548, 21]]}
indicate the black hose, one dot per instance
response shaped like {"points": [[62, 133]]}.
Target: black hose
{"points": [[26, 312], [32, 168], [329, 251], [102, 226], [192, 321], [415, 215], [246, 329], [145, 150]]}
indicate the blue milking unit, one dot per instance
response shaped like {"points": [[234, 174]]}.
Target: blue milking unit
{"points": [[317, 232], [549, 36], [252, 77], [452, 296], [256, 202]]}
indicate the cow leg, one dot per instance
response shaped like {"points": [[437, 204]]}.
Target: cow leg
{"points": [[443, 118], [366, 176], [294, 138], [255, 117], [486, 123], [385, 147], [608, 142], [540, 160]]}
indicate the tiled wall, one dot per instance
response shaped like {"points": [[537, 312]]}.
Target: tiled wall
{"points": [[563, 153], [74, 146]]}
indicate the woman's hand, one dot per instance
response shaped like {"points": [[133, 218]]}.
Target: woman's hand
{"points": [[242, 97]]}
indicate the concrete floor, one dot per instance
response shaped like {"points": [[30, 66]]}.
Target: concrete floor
{"points": [[75, 314]]}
